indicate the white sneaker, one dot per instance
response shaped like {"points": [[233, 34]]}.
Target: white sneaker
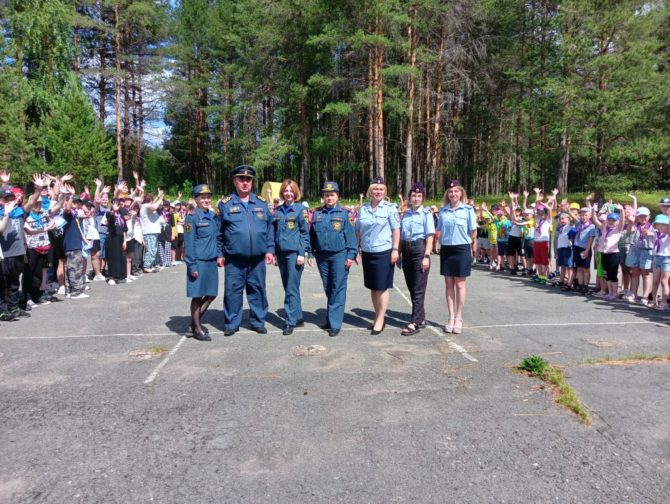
{"points": [[30, 302], [79, 296], [111, 282], [132, 278], [87, 288], [98, 278], [61, 290]]}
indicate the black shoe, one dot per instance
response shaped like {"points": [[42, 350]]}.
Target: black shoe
{"points": [[300, 323], [230, 332], [201, 336], [288, 330], [333, 332], [325, 327], [203, 329], [373, 332], [19, 312], [260, 330], [422, 325], [7, 316]]}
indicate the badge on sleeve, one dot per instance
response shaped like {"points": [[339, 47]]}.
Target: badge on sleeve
{"points": [[187, 227]]}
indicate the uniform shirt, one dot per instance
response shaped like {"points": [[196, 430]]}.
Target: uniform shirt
{"points": [[332, 231], [661, 244], [201, 237], [12, 240], [609, 239], [640, 241], [375, 228], [246, 227], [456, 224], [583, 233], [417, 225], [291, 229]]}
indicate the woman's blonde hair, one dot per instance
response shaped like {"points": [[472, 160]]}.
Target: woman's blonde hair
{"points": [[464, 196], [294, 187], [374, 186]]}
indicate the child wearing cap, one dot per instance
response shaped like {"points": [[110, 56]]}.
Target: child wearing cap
{"points": [[565, 234], [608, 247], [640, 254], [661, 261]]}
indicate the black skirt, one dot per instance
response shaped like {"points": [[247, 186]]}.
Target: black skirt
{"points": [[377, 270], [455, 260]]}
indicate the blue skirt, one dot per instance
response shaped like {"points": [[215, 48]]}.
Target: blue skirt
{"points": [[456, 260], [377, 270], [207, 283]]}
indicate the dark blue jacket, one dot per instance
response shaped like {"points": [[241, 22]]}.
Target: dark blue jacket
{"points": [[246, 230], [332, 231], [291, 229]]}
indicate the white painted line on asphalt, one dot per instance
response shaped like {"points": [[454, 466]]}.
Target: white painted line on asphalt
{"points": [[567, 324], [451, 343], [162, 363]]}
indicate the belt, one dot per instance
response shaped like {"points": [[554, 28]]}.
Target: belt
{"points": [[413, 243]]}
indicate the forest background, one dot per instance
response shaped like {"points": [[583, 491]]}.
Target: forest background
{"points": [[501, 94]]}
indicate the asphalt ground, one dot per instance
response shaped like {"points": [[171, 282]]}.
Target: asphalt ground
{"points": [[104, 401]]}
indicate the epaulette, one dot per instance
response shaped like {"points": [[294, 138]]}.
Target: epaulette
{"points": [[226, 199], [261, 198]]}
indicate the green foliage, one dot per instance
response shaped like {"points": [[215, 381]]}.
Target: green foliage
{"points": [[534, 364], [74, 140]]}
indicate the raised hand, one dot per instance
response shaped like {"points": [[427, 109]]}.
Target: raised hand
{"points": [[4, 176], [136, 175], [143, 183], [66, 177], [9, 206], [554, 192], [98, 182], [107, 189], [38, 180], [537, 190], [525, 193]]}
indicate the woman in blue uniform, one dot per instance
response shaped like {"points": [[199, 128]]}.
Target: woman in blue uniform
{"points": [[457, 225], [291, 246], [417, 229], [333, 243], [202, 255], [378, 233]]}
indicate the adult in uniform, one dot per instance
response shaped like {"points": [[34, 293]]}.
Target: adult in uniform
{"points": [[291, 246], [333, 243], [248, 243], [417, 230], [378, 233], [202, 255], [457, 225]]}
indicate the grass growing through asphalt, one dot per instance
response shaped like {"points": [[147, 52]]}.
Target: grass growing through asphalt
{"points": [[630, 359], [537, 366], [157, 349]]}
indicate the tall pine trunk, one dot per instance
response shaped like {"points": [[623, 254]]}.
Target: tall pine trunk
{"points": [[117, 56], [409, 143]]}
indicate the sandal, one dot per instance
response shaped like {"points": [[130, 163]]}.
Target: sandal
{"points": [[449, 328], [458, 326], [409, 329]]}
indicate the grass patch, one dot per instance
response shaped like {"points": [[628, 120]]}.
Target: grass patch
{"points": [[630, 359], [157, 349], [537, 366]]}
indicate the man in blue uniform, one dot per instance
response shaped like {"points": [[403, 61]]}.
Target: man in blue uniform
{"points": [[333, 242], [247, 237], [202, 254]]}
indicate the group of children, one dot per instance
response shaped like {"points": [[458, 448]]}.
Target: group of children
{"points": [[629, 250]]}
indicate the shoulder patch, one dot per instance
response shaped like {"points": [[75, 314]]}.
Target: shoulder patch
{"points": [[261, 198], [226, 199], [187, 227]]}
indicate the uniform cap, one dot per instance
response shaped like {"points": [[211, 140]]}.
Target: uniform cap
{"points": [[418, 188], [643, 211], [664, 201], [377, 180], [330, 186], [243, 171], [662, 219], [201, 189], [454, 183], [613, 216]]}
